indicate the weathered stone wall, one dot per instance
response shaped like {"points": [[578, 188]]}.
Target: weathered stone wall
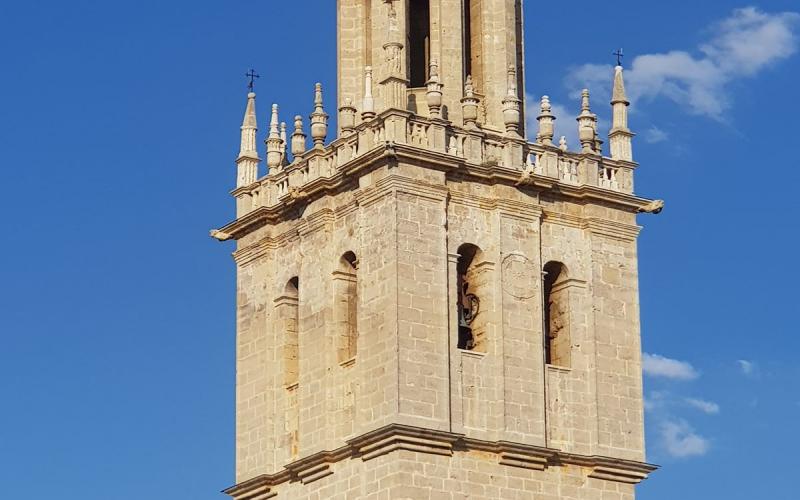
{"points": [[364, 26], [408, 475], [405, 223]]}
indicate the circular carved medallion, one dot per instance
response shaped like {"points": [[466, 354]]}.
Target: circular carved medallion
{"points": [[519, 276]]}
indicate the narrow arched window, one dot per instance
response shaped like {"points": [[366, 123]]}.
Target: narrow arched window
{"points": [[346, 307], [470, 299], [289, 316], [367, 10], [419, 41], [473, 42], [557, 341]]}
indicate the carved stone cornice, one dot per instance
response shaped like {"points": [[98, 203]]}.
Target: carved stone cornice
{"points": [[563, 219], [612, 229], [319, 219], [397, 437], [518, 210], [612, 469], [415, 187], [263, 246], [515, 209], [372, 194], [389, 154], [346, 209], [402, 437], [471, 199]]}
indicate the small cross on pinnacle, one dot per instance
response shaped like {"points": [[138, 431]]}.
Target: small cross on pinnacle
{"points": [[252, 75], [619, 55]]}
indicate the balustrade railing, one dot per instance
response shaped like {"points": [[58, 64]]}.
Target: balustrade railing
{"points": [[474, 147]]}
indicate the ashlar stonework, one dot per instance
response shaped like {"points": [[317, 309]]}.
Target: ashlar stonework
{"points": [[431, 306]]}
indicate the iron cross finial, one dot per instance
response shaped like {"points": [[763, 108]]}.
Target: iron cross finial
{"points": [[252, 75], [619, 55]]}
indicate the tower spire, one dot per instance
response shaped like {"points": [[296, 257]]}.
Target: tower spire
{"points": [[319, 119], [620, 137], [284, 145], [619, 96], [369, 101], [511, 104], [274, 147], [248, 160], [546, 119], [298, 137], [434, 93], [587, 125]]}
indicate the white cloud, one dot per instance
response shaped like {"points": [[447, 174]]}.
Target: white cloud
{"points": [[655, 401], [655, 365], [681, 441], [707, 407], [742, 45], [748, 368], [654, 135], [567, 126]]}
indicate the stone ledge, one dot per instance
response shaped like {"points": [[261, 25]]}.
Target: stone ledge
{"points": [[387, 155], [402, 437], [618, 475], [395, 437]]}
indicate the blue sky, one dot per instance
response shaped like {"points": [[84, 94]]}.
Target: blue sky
{"points": [[118, 130]]}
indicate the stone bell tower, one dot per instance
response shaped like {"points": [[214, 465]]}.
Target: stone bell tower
{"points": [[400, 41], [429, 305]]}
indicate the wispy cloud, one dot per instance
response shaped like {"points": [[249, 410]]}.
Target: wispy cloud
{"points": [[566, 125], [742, 45], [707, 407], [748, 368], [676, 436], [655, 401], [680, 440], [655, 365], [654, 135]]}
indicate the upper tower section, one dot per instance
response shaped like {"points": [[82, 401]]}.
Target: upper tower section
{"points": [[429, 293], [391, 52]]}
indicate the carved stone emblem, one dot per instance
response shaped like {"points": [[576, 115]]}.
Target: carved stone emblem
{"points": [[519, 276]]}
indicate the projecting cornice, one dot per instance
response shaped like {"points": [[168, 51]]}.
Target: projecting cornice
{"points": [[296, 198], [396, 437], [612, 229]]}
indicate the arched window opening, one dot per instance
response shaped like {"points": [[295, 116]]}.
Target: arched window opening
{"points": [[289, 314], [470, 286], [473, 43], [367, 10], [346, 308], [556, 315], [419, 41]]}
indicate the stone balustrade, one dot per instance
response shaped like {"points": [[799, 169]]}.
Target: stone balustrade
{"points": [[466, 147]]}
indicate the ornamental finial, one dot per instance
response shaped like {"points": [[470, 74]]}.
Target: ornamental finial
{"points": [[319, 119]]}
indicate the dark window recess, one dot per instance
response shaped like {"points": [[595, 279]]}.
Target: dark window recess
{"points": [[419, 41], [468, 304]]}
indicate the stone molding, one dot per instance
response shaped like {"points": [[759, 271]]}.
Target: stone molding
{"points": [[389, 154], [514, 209], [316, 221], [263, 246], [408, 185], [563, 219], [393, 184], [613, 229], [395, 437]]}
